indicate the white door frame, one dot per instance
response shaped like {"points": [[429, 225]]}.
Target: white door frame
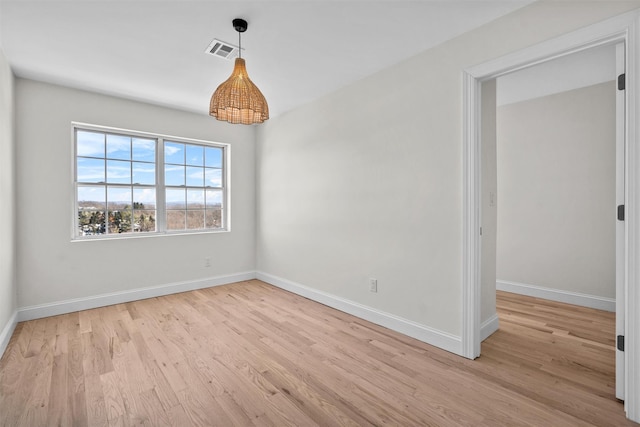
{"points": [[624, 28], [621, 231]]}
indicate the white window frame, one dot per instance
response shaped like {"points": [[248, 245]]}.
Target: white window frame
{"points": [[161, 229]]}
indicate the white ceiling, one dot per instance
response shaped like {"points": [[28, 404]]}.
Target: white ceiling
{"points": [[296, 51]]}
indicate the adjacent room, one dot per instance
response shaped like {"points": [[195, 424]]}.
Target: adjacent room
{"points": [[371, 194]]}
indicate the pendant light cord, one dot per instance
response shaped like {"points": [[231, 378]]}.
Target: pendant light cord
{"points": [[239, 45]]}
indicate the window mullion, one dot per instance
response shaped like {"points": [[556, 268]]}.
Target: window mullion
{"points": [[161, 213], [107, 231], [225, 210]]}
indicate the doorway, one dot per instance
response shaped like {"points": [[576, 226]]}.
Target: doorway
{"points": [[621, 29], [552, 142]]}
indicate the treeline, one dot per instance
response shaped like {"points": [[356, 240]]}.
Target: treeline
{"points": [[127, 219], [122, 220]]}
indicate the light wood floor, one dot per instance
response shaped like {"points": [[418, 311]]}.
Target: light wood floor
{"points": [[251, 354]]}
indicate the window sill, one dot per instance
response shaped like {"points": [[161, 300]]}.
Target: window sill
{"points": [[146, 235]]}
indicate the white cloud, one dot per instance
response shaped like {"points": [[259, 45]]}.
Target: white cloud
{"points": [[90, 144], [145, 195], [171, 150]]}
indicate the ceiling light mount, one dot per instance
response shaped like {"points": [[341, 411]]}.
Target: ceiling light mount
{"points": [[240, 25], [238, 100]]}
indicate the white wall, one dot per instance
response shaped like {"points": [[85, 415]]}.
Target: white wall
{"points": [[556, 182], [8, 287], [367, 181], [52, 268]]}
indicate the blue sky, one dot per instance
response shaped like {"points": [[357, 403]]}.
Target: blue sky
{"points": [[122, 160]]}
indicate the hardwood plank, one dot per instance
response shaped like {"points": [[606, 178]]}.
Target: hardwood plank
{"points": [[15, 339], [36, 405], [84, 320], [163, 389], [76, 398], [95, 401], [178, 416], [36, 340], [96, 361], [13, 398], [151, 404], [115, 410], [58, 411], [131, 382], [10, 371], [250, 354], [308, 369], [199, 413]]}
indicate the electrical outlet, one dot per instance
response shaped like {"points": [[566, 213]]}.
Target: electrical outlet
{"points": [[373, 285], [207, 262]]}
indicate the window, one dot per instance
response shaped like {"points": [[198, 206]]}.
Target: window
{"points": [[129, 183], [193, 184]]}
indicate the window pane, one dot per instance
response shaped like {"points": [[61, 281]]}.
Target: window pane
{"points": [[90, 170], [195, 199], [91, 223], [213, 157], [118, 147], [174, 153], [175, 220], [118, 198], [214, 198], [144, 221], [91, 197], [120, 221], [144, 150], [213, 218], [118, 172], [90, 144], [91, 208], [195, 177], [144, 198], [144, 173], [144, 214], [195, 219], [195, 155], [173, 175], [119, 209], [213, 177], [176, 198]]}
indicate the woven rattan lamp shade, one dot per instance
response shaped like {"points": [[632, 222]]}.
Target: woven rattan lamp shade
{"points": [[238, 100]]}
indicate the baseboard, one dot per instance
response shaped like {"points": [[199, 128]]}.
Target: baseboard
{"points": [[77, 304], [5, 335], [489, 326], [415, 330], [584, 300]]}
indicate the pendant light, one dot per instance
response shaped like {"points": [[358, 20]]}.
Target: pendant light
{"points": [[238, 100]]}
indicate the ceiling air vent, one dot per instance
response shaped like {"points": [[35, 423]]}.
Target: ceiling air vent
{"points": [[222, 50]]}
